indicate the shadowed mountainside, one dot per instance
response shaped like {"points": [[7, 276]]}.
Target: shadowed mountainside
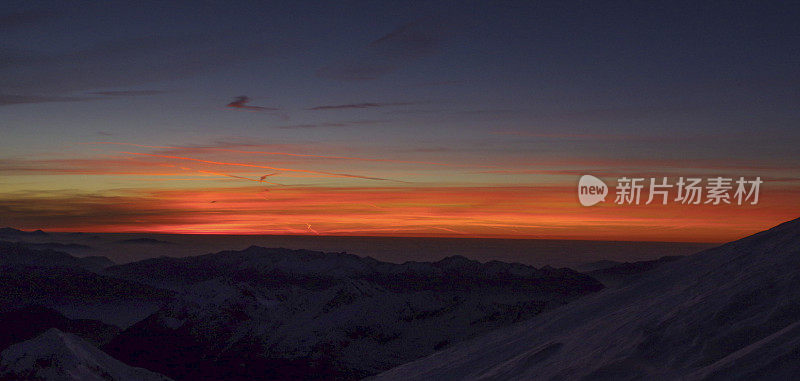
{"points": [[28, 322], [73, 286], [275, 313], [56, 355], [728, 313]]}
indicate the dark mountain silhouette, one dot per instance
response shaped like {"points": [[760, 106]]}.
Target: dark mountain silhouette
{"points": [[68, 247], [22, 253], [144, 241], [13, 233], [596, 265], [60, 281], [278, 313], [730, 312]]}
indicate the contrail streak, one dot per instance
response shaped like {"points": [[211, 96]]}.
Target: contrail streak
{"points": [[262, 166], [448, 230], [222, 174], [302, 155], [262, 179], [226, 175]]}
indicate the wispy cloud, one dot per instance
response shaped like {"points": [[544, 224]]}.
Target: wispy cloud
{"points": [[241, 102], [357, 106], [390, 52], [127, 93], [223, 148], [8, 99], [144, 164], [332, 124], [504, 211], [333, 174]]}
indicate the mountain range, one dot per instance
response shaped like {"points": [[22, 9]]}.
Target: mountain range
{"points": [[726, 313], [266, 313], [279, 313]]}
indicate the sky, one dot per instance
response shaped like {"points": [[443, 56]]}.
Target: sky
{"points": [[471, 119]]}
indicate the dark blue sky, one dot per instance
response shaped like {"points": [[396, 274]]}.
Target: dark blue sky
{"points": [[571, 66], [527, 86]]}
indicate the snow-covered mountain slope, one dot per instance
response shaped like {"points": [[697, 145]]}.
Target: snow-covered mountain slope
{"points": [[55, 355], [728, 313], [28, 322], [623, 273], [275, 313]]}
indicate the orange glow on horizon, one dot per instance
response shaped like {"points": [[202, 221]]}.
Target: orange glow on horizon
{"points": [[233, 192], [489, 212]]}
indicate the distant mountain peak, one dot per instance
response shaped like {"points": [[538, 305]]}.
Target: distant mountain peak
{"points": [[23, 253], [13, 231]]}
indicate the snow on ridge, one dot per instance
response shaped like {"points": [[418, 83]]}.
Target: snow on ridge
{"points": [[691, 318], [58, 355]]}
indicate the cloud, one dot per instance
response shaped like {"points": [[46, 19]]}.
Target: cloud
{"points": [[311, 125], [8, 99], [325, 173], [183, 150], [11, 99], [127, 93], [144, 164], [333, 124], [357, 105], [241, 103], [520, 211], [398, 48]]}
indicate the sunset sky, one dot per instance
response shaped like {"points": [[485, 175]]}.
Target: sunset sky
{"points": [[420, 119]]}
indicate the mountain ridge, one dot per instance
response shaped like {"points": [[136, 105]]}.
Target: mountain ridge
{"points": [[261, 312], [55, 355], [681, 320]]}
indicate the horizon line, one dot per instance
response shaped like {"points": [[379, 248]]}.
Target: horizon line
{"points": [[434, 236]]}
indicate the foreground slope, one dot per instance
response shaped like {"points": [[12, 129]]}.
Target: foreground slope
{"points": [[55, 355], [732, 312], [30, 321]]}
